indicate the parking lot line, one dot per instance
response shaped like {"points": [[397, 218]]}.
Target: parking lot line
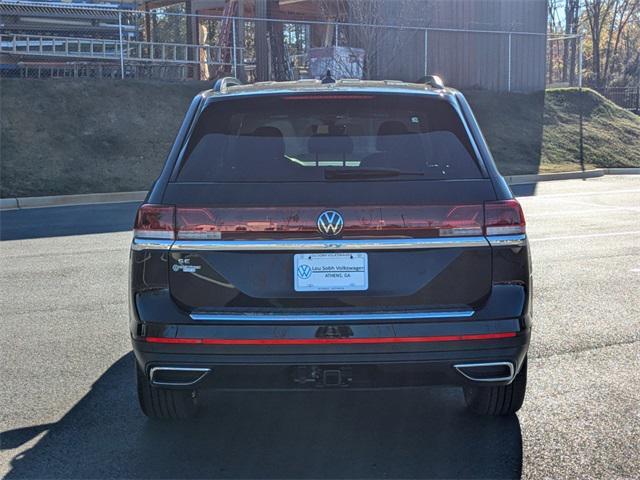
{"points": [[586, 235], [583, 194]]}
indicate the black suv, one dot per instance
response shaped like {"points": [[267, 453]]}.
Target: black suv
{"points": [[348, 235]]}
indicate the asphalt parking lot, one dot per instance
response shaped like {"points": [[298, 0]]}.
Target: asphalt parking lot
{"points": [[67, 398]]}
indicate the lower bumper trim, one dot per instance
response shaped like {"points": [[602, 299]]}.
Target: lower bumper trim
{"points": [[327, 341]]}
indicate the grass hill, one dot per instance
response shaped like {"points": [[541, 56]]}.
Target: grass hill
{"points": [[541, 132], [70, 136]]}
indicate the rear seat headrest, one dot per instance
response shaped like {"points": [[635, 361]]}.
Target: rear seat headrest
{"points": [[326, 144], [384, 140], [265, 142], [267, 132]]}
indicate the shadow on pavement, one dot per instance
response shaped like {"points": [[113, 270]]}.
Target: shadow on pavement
{"points": [[68, 220], [417, 433], [526, 190]]}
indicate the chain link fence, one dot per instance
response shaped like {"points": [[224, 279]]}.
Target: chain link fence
{"points": [[564, 61], [38, 40]]}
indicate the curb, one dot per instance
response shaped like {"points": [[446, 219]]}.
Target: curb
{"points": [[8, 203], [623, 171], [139, 196], [544, 177], [69, 200]]}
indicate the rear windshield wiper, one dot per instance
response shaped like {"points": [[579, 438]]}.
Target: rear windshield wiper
{"points": [[348, 174]]}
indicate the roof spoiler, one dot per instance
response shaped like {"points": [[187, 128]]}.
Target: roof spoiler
{"points": [[434, 81], [222, 84]]}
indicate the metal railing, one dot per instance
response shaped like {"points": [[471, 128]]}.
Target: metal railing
{"points": [[104, 49], [625, 97]]}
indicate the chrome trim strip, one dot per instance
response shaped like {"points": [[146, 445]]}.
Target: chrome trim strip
{"points": [[269, 317], [492, 364], [203, 371], [307, 245], [384, 244], [138, 244], [519, 240]]}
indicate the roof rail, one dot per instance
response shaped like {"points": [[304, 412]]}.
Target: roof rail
{"points": [[221, 84], [433, 81]]}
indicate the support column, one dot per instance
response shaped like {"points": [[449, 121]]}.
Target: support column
{"points": [[192, 39], [261, 42], [147, 23], [240, 28]]}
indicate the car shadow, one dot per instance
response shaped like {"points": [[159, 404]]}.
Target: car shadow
{"points": [[67, 220], [525, 190], [416, 433]]}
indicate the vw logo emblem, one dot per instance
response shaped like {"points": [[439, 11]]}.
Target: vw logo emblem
{"points": [[330, 223], [304, 271]]}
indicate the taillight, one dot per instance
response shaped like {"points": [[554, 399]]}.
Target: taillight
{"points": [[360, 222], [460, 221], [155, 221], [197, 223], [193, 223], [503, 218]]}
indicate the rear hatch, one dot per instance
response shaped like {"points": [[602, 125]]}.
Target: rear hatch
{"points": [[329, 202]]}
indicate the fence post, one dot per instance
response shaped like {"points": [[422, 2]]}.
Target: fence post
{"points": [[336, 28], [235, 60], [426, 52], [580, 50], [121, 45], [509, 66]]}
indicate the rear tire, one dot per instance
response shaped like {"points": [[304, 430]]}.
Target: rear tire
{"points": [[164, 403], [498, 401]]}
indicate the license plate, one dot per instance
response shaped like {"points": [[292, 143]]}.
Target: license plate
{"points": [[320, 272]]}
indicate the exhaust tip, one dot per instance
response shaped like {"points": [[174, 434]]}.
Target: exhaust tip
{"points": [[487, 372], [176, 376]]}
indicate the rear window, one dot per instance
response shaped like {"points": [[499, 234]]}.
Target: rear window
{"points": [[328, 137]]}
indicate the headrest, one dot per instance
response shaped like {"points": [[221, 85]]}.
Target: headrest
{"points": [[326, 144], [267, 132], [263, 142], [388, 133]]}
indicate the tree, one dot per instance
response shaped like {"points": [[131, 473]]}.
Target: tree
{"points": [[611, 41], [368, 34], [607, 21], [572, 18]]}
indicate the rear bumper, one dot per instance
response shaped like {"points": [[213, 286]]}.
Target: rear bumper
{"points": [[377, 351], [378, 365]]}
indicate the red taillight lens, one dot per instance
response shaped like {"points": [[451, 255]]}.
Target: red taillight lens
{"points": [[503, 218], [301, 222], [197, 223], [461, 220], [165, 222], [155, 221], [322, 97]]}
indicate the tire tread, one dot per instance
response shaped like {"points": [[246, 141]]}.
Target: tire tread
{"points": [[163, 403], [498, 400]]}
